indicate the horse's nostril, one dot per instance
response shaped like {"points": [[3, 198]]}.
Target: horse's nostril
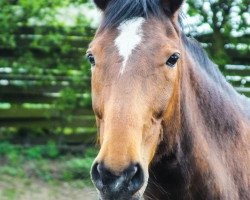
{"points": [[129, 181], [96, 177], [136, 179]]}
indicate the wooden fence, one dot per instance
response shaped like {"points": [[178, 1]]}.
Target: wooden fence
{"points": [[18, 116], [33, 105], [27, 100]]}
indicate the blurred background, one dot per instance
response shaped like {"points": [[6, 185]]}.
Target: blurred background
{"points": [[47, 128]]}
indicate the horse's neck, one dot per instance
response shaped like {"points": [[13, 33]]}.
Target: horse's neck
{"points": [[207, 150], [213, 135], [207, 107], [210, 108]]}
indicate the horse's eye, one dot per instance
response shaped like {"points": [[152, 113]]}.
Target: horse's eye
{"points": [[173, 59], [91, 58]]}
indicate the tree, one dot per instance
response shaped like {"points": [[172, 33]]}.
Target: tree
{"points": [[42, 48], [36, 42], [228, 21]]}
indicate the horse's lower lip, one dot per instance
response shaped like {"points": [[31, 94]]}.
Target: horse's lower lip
{"points": [[120, 198]]}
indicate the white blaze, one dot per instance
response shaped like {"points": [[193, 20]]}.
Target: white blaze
{"points": [[130, 35]]}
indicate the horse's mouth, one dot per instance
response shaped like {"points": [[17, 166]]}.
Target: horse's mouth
{"points": [[128, 185]]}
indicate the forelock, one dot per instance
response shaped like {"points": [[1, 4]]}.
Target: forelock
{"points": [[119, 11]]}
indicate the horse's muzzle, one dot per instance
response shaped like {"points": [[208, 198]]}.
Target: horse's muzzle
{"points": [[115, 187]]}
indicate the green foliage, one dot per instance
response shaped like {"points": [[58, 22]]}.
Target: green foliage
{"points": [[77, 168], [45, 162], [5, 148], [227, 20], [68, 99], [34, 153], [42, 50], [11, 170], [51, 151]]}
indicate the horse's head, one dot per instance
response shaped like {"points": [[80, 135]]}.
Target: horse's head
{"points": [[135, 90]]}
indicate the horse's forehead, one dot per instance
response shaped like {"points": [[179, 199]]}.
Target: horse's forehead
{"points": [[130, 35], [134, 39]]}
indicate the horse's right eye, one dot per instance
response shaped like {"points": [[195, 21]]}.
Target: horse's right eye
{"points": [[91, 58]]}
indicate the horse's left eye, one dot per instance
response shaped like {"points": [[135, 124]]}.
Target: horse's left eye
{"points": [[173, 60], [91, 58]]}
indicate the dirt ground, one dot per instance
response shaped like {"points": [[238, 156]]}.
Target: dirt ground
{"points": [[19, 189]]}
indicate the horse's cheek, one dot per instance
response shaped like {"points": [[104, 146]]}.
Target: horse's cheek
{"points": [[150, 142]]}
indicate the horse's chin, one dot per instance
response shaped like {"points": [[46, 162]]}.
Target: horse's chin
{"points": [[136, 196], [121, 198]]}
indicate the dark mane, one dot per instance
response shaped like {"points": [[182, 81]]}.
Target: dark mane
{"points": [[202, 60], [118, 11]]}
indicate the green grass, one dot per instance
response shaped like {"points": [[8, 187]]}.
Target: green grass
{"points": [[44, 162], [9, 194], [14, 188]]}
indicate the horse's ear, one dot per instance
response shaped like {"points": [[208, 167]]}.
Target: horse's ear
{"points": [[102, 4], [171, 6]]}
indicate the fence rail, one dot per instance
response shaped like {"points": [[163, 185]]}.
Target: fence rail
{"points": [[17, 116]]}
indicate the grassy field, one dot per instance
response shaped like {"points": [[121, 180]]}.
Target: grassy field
{"points": [[42, 172], [33, 189]]}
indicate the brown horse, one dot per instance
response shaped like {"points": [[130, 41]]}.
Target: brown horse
{"points": [[170, 126]]}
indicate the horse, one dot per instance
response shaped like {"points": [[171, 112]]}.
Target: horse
{"points": [[169, 125]]}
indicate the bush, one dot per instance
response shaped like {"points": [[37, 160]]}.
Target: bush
{"points": [[45, 162], [51, 150], [77, 168]]}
